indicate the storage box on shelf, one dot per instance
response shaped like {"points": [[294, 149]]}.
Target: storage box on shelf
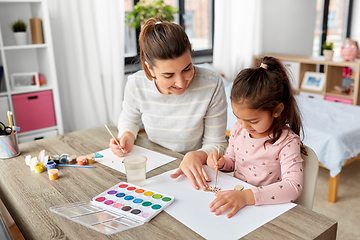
{"points": [[36, 108], [299, 65]]}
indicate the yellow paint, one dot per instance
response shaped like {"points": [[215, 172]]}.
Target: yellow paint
{"points": [[53, 174]]}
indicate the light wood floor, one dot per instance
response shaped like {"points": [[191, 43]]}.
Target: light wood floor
{"points": [[346, 210]]}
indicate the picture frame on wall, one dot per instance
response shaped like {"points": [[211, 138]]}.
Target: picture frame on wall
{"points": [[313, 81], [21, 81]]}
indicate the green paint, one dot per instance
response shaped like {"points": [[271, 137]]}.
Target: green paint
{"points": [[157, 196], [156, 206], [146, 204]]}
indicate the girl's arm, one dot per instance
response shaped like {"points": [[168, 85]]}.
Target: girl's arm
{"points": [[233, 200], [290, 186], [230, 153]]}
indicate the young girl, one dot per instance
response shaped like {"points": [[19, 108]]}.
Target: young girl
{"points": [[264, 145], [181, 107]]}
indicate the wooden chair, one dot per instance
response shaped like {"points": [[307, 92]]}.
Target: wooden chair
{"points": [[310, 171]]}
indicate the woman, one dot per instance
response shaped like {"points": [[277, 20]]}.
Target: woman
{"points": [[181, 107]]}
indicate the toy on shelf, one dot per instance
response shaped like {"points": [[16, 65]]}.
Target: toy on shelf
{"points": [[347, 81], [347, 72], [350, 50]]}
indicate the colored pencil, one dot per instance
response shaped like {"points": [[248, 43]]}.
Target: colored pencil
{"points": [[10, 122], [67, 165], [114, 138], [217, 167]]}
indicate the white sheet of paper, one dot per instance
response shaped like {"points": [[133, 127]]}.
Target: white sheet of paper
{"points": [[154, 159], [191, 207]]}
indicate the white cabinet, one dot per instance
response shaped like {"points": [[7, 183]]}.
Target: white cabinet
{"points": [[29, 59]]}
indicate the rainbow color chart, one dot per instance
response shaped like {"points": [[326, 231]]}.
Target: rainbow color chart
{"points": [[121, 207]]}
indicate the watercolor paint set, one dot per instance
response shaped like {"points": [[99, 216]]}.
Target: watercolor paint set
{"points": [[119, 208]]}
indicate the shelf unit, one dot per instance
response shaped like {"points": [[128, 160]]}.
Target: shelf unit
{"points": [[333, 70], [38, 58]]}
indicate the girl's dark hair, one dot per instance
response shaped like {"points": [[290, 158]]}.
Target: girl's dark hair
{"points": [[265, 87], [161, 40]]}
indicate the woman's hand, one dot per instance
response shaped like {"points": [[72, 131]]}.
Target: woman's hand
{"points": [[214, 160], [126, 144], [232, 199], [192, 167]]}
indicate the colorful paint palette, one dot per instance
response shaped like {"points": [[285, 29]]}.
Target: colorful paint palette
{"points": [[119, 208]]}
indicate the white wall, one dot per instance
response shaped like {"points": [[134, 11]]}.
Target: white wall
{"points": [[288, 26], [355, 22]]}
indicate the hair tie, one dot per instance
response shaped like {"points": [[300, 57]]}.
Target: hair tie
{"points": [[264, 66], [157, 22]]}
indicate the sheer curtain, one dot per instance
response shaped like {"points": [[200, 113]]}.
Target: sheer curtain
{"points": [[237, 35], [88, 39]]}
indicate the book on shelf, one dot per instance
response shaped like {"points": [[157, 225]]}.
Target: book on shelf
{"points": [[36, 31]]}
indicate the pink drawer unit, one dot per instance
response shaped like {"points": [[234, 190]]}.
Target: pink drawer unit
{"points": [[34, 110], [338, 99]]}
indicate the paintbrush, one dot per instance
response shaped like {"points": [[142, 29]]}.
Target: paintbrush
{"points": [[217, 167], [81, 166], [115, 139]]}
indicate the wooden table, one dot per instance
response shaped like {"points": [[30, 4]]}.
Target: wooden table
{"points": [[29, 195]]}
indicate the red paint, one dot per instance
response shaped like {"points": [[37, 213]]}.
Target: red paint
{"points": [[100, 199]]}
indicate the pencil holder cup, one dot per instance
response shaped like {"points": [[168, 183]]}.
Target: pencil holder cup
{"points": [[9, 146]]}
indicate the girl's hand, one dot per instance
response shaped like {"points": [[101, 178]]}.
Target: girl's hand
{"points": [[214, 160], [192, 167], [233, 200], [126, 144]]}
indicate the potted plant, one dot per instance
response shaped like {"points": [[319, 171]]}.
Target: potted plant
{"points": [[328, 50], [143, 10], [19, 31]]}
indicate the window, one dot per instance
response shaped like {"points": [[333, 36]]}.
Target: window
{"points": [[196, 17], [332, 24], [130, 35]]}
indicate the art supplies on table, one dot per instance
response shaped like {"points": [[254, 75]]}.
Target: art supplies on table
{"points": [[191, 207], [80, 166], [119, 208], [115, 139], [155, 159], [5, 130], [8, 139]]}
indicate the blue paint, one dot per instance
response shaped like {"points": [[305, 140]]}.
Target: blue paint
{"points": [[138, 200], [120, 195], [129, 198], [50, 165]]}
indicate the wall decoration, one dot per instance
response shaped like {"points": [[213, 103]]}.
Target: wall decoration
{"points": [[313, 81]]}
